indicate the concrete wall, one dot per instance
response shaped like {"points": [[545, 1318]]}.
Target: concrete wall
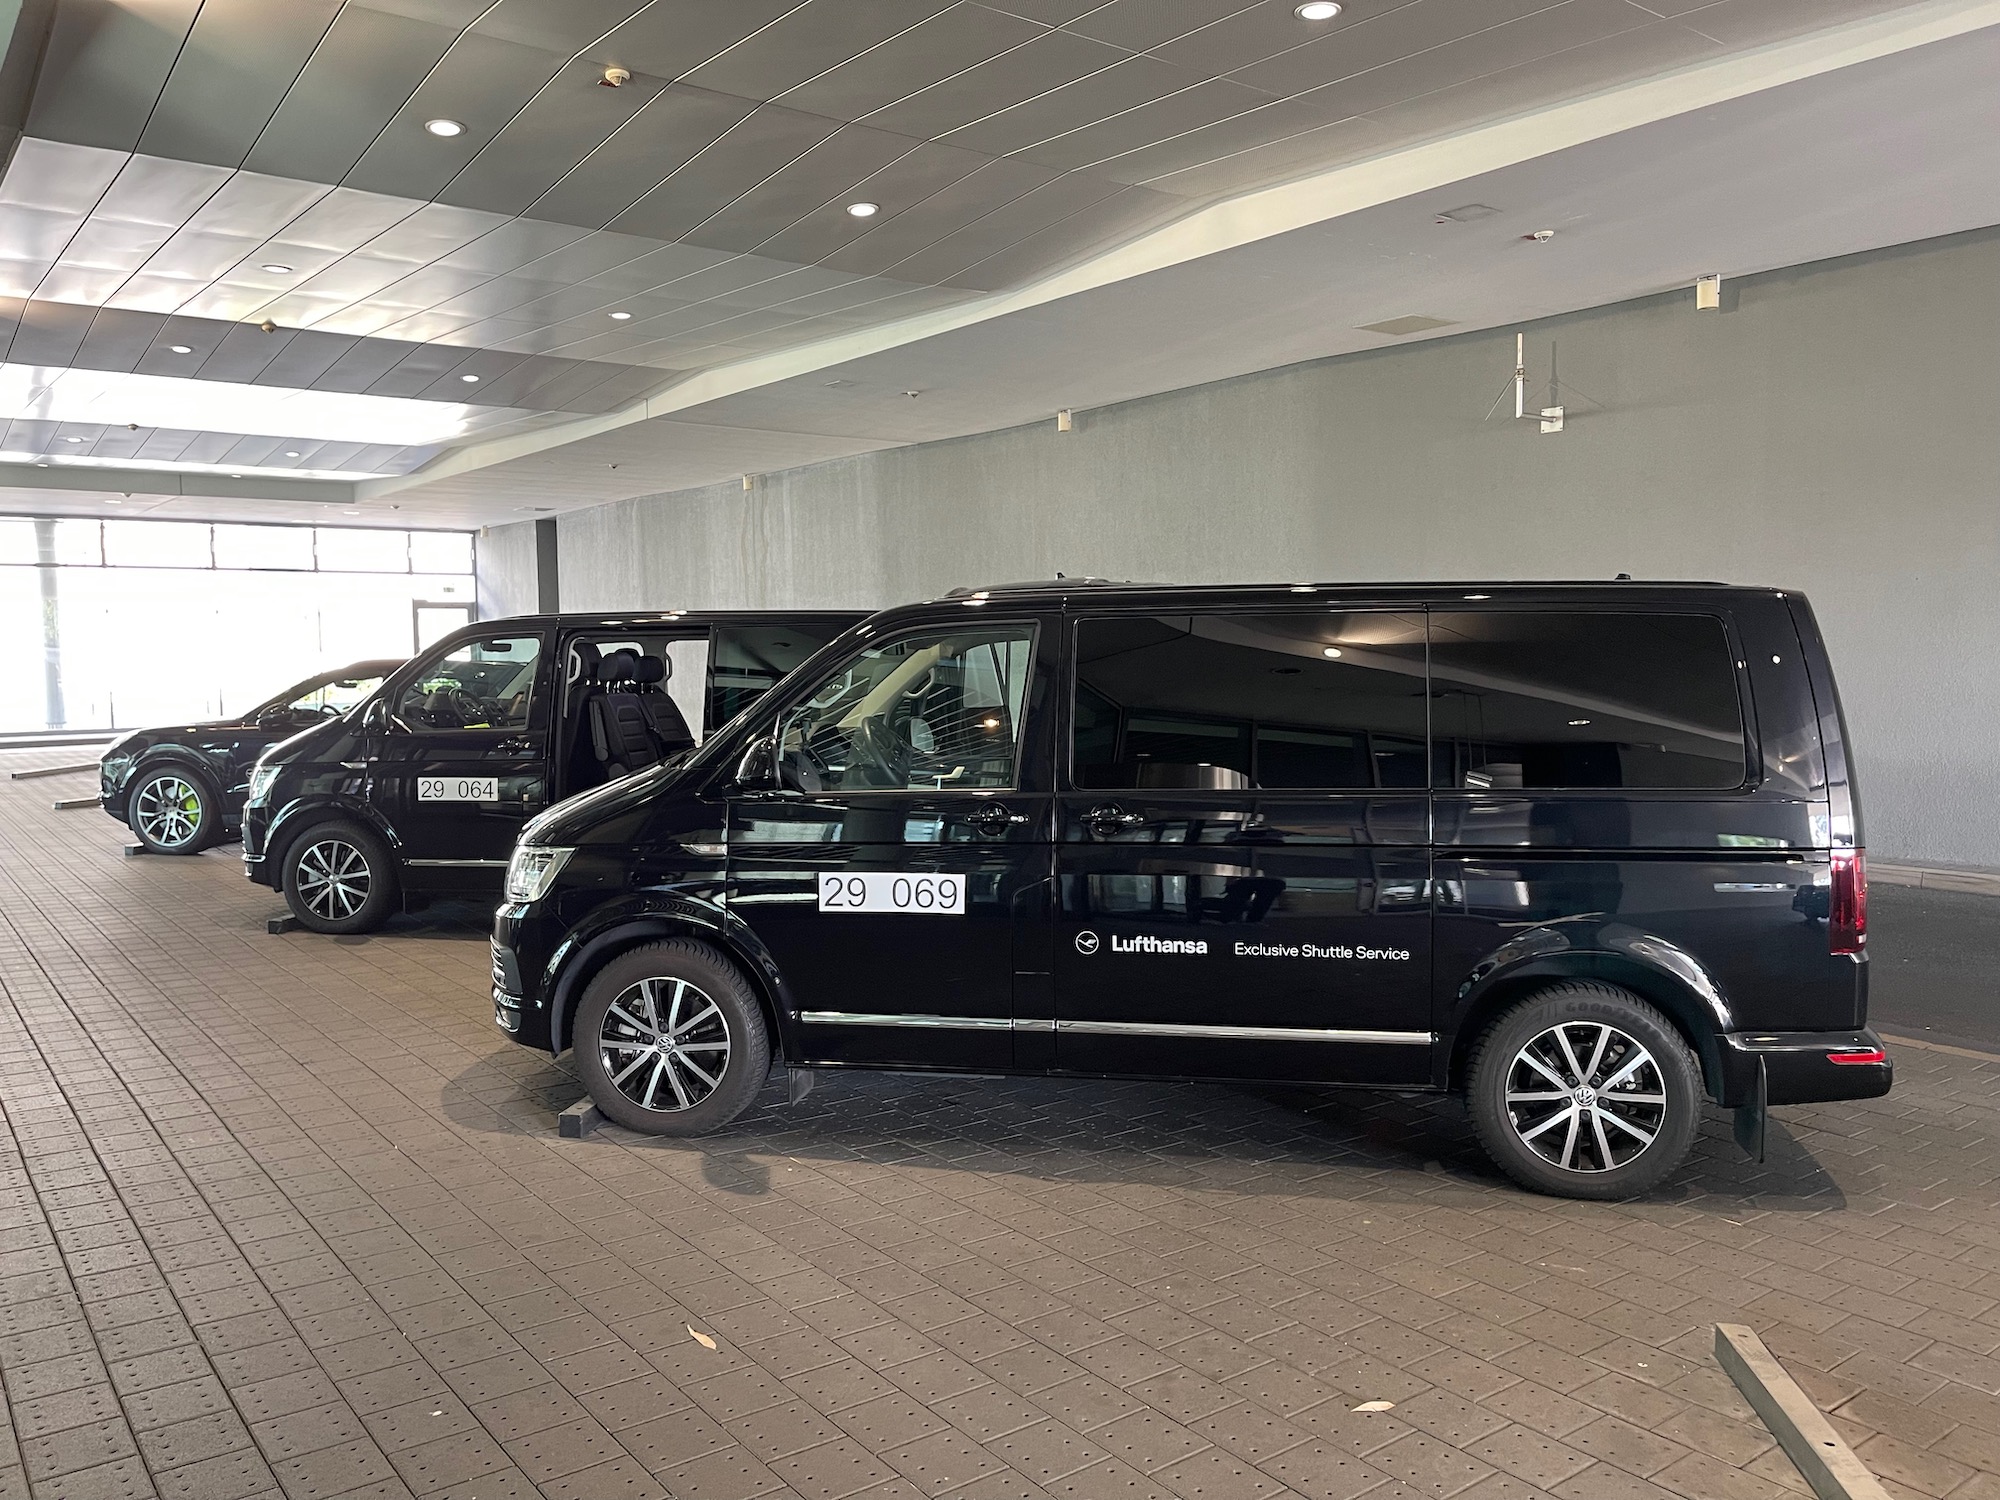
{"points": [[1832, 430], [507, 572]]}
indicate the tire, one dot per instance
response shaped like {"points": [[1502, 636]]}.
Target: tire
{"points": [[339, 878], [1569, 1136], [173, 811], [692, 989]]}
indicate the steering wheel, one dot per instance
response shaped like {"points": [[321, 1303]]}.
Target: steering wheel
{"points": [[882, 756]]}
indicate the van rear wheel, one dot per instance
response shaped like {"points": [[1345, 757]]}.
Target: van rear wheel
{"points": [[339, 878], [670, 1040], [1584, 1090]]}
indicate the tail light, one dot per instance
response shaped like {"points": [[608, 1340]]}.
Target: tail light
{"points": [[1847, 914], [1861, 1058]]}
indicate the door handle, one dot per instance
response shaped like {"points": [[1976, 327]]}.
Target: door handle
{"points": [[994, 819], [1108, 817], [518, 745]]}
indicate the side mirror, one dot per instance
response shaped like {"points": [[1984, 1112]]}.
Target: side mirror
{"points": [[757, 770], [375, 717]]}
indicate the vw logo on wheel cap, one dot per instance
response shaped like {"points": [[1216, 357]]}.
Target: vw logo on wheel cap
{"points": [[1086, 942]]}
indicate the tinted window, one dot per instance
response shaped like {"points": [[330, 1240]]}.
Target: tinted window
{"points": [[939, 711], [1584, 700], [335, 697], [751, 659], [1323, 699], [482, 685]]}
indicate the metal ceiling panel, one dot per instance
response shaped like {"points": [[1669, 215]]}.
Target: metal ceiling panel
{"points": [[1050, 61], [828, 172], [103, 67], [817, 36], [674, 127], [164, 194], [562, 125], [49, 333], [591, 255], [341, 221], [947, 43], [482, 82], [943, 213], [1358, 46], [361, 366], [557, 25], [1749, 23], [1558, 28], [198, 335], [117, 340], [364, 71], [759, 146], [1012, 221], [208, 448], [239, 59], [417, 371], [1208, 102], [305, 358], [1048, 12], [252, 452], [243, 353], [724, 277], [56, 178], [1123, 86], [1108, 221], [898, 187], [433, 231], [1140, 24], [1264, 30], [354, 277], [1276, 121], [563, 392], [671, 38], [657, 268], [510, 245]]}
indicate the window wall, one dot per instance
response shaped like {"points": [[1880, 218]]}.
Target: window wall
{"points": [[123, 624]]}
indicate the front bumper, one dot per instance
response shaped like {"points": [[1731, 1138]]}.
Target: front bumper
{"points": [[1798, 1066], [524, 939]]}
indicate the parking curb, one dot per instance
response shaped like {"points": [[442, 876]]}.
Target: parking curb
{"points": [[1819, 1453]]}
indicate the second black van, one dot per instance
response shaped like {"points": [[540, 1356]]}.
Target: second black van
{"points": [[1584, 853], [421, 789]]}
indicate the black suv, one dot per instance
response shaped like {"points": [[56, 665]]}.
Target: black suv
{"points": [[421, 790], [181, 789], [1583, 852]]}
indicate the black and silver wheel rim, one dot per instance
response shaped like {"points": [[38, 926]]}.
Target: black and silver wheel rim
{"points": [[1586, 1097], [333, 879], [168, 809], [664, 1044]]}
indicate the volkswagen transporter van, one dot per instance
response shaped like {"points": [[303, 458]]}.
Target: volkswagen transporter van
{"points": [[422, 790], [181, 789], [1582, 853]]}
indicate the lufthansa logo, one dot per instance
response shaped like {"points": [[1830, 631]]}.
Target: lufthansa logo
{"points": [[1086, 942]]}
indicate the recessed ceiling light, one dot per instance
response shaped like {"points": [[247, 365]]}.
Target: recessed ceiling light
{"points": [[470, 379], [620, 316], [1317, 10], [864, 210], [1540, 236], [291, 453], [235, 476], [73, 440], [1332, 652], [276, 268], [180, 348], [350, 513], [446, 128], [41, 464]]}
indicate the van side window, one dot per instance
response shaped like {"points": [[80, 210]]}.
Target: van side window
{"points": [[481, 685], [1578, 700], [1325, 700], [941, 710], [751, 659]]}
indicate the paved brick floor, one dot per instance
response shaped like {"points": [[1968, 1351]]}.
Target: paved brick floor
{"points": [[283, 1215]]}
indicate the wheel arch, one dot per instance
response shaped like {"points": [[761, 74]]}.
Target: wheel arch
{"points": [[298, 816], [1686, 997], [582, 956]]}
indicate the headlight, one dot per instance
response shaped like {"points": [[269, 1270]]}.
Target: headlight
{"points": [[533, 870], [261, 777]]}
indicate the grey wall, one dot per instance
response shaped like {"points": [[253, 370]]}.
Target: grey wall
{"points": [[505, 560], [1832, 430]]}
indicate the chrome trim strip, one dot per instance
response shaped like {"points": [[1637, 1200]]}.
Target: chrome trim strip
{"points": [[1025, 1024], [932, 1023], [1248, 1033], [483, 864]]}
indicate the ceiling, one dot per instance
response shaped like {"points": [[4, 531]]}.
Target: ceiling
{"points": [[591, 292]]}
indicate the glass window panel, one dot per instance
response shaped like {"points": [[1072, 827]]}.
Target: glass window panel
{"points": [[938, 711], [354, 550], [1301, 699], [332, 696], [80, 543], [441, 551], [156, 544], [17, 541], [751, 659], [1550, 700], [264, 547], [485, 684]]}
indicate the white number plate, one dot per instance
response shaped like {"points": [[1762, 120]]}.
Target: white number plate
{"points": [[912, 895], [458, 789]]}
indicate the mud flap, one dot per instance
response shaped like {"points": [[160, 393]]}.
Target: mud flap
{"points": [[1751, 1117], [798, 1083]]}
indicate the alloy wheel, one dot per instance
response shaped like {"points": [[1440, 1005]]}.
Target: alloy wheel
{"points": [[664, 1044], [333, 879], [169, 811], [1586, 1097]]}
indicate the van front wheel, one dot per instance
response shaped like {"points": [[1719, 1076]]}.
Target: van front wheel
{"points": [[1585, 1091], [339, 878], [670, 1040]]}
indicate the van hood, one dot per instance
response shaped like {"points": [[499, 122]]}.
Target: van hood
{"points": [[579, 819]]}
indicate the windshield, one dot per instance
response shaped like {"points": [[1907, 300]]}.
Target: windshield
{"points": [[328, 695]]}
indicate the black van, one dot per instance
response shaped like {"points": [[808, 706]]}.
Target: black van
{"points": [[181, 789], [421, 790], [1582, 852]]}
